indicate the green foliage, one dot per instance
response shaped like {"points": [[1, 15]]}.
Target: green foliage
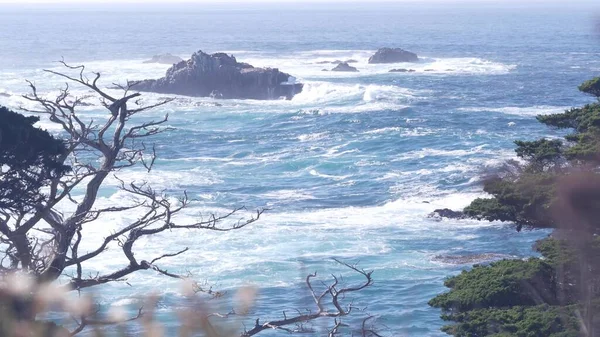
{"points": [[542, 154], [586, 139], [501, 284], [581, 119], [570, 259], [524, 201], [502, 299], [558, 186], [519, 321], [490, 209], [528, 198], [28, 158], [591, 87]]}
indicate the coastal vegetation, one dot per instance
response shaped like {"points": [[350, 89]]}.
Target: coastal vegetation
{"points": [[553, 184]]}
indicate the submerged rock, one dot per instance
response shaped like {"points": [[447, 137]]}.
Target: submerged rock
{"points": [[393, 55], [337, 61], [221, 76], [344, 67], [447, 213], [165, 59], [402, 71], [470, 259]]}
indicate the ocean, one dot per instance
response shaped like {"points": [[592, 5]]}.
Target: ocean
{"points": [[349, 168]]}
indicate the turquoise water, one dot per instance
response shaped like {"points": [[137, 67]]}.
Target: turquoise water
{"points": [[344, 167]]}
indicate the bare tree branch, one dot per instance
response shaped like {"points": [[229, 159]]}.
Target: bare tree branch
{"points": [[331, 291]]}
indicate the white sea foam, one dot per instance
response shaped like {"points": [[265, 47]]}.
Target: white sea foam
{"points": [[521, 111], [312, 136], [166, 179], [318, 96], [283, 238], [315, 173], [286, 195], [308, 64], [430, 152], [404, 132], [269, 249], [319, 93]]}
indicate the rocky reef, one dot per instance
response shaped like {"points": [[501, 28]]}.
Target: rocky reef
{"points": [[447, 213], [393, 55], [222, 76], [164, 59], [402, 71], [344, 67]]}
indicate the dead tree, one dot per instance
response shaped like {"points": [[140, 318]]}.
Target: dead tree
{"points": [[44, 242]]}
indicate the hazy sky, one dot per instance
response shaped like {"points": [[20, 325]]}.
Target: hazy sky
{"points": [[258, 1], [153, 4]]}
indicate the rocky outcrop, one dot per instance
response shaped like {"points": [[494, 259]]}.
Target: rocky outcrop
{"points": [[165, 59], [393, 55], [221, 76], [447, 213], [344, 67], [402, 71]]}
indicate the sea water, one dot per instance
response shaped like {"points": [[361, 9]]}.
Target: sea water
{"points": [[349, 168]]}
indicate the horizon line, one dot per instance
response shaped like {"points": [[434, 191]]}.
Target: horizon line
{"points": [[250, 2]]}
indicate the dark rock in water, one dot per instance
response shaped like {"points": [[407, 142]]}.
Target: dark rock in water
{"points": [[222, 76], [449, 69], [351, 61], [164, 59], [205, 104], [402, 71], [393, 55], [323, 62], [469, 259], [3, 94], [428, 70], [324, 70], [344, 67], [447, 213]]}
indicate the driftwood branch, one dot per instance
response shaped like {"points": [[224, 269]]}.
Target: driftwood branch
{"points": [[85, 321]]}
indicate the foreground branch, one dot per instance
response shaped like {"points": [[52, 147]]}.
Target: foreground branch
{"points": [[333, 292]]}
